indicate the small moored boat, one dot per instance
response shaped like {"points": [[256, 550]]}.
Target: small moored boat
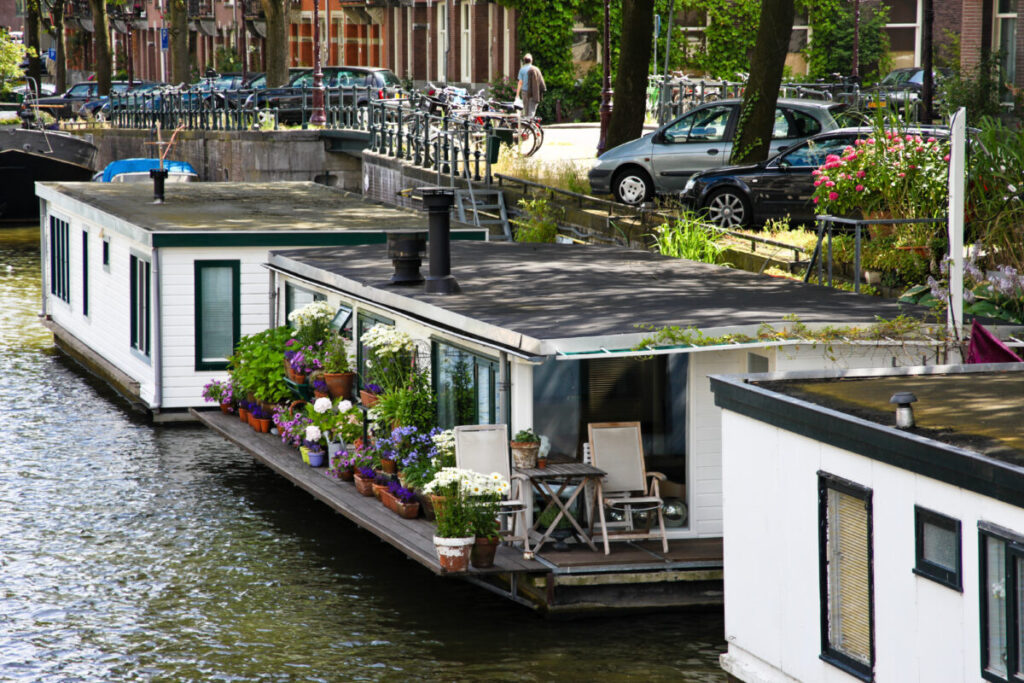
{"points": [[137, 170]]}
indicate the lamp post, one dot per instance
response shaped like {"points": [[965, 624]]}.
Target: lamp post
{"points": [[244, 42], [855, 71], [318, 118], [606, 92]]}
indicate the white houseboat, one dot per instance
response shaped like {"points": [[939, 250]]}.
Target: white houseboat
{"points": [[544, 336], [859, 550], [153, 297]]}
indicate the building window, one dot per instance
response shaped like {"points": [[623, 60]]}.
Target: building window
{"points": [[297, 297], [1004, 41], [466, 44], [364, 321], [85, 273], [106, 254], [1001, 573], [217, 313], [845, 575], [937, 553], [139, 301], [466, 386], [60, 260]]}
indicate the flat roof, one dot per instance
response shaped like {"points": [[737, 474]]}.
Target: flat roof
{"points": [[236, 214], [554, 293], [966, 418]]}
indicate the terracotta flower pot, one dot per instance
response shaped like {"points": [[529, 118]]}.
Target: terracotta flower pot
{"points": [[389, 466], [367, 399], [346, 474], [484, 549], [407, 510], [453, 553], [364, 485], [340, 384], [264, 425], [243, 414], [389, 500], [225, 408], [379, 490], [524, 454]]}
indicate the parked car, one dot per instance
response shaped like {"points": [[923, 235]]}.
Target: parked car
{"points": [[68, 104], [744, 196], [660, 162], [901, 88], [99, 108], [364, 82]]}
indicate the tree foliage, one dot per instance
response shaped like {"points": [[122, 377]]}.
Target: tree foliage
{"points": [[11, 54], [830, 49], [729, 39]]}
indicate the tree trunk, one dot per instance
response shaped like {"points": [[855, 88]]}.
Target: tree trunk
{"points": [[35, 62], [629, 105], [101, 42], [178, 37], [276, 42], [61, 76], [757, 117]]}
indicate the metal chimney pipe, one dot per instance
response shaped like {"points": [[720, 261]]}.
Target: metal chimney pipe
{"points": [[438, 201], [904, 411], [159, 175]]}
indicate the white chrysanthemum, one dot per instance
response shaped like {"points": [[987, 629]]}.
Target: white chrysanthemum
{"points": [[345, 406], [322, 405], [313, 433]]}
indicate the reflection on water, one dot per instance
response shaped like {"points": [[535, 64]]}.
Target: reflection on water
{"points": [[132, 552]]}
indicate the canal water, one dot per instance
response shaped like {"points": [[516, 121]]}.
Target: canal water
{"points": [[133, 552]]}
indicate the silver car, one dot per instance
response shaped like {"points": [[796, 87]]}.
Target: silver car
{"points": [[662, 161]]}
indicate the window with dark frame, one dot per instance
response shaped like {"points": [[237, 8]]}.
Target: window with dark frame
{"points": [[846, 581], [364, 321], [297, 297], [1001, 590], [217, 312], [85, 273], [106, 254], [937, 548], [139, 303], [60, 259], [465, 384]]}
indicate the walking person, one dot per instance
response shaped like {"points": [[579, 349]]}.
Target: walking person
{"points": [[531, 86]]}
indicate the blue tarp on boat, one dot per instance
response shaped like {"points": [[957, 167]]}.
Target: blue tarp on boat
{"points": [[143, 166]]}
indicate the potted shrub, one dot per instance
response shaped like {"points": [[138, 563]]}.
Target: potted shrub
{"points": [[257, 366], [486, 500], [337, 372], [453, 537], [525, 445]]}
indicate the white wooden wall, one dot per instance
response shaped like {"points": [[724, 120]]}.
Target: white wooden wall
{"points": [[924, 632]]}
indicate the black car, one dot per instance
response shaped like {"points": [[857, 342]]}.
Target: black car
{"points": [[744, 196], [361, 82], [68, 104]]}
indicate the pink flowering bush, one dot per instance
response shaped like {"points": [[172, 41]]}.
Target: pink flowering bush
{"points": [[902, 174]]}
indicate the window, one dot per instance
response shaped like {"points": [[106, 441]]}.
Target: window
{"points": [[813, 152], [60, 263], [106, 254], [466, 44], [466, 386], [85, 273], [297, 297], [845, 575], [364, 322], [1004, 40], [1001, 571], [706, 125], [937, 552], [217, 317], [138, 278]]}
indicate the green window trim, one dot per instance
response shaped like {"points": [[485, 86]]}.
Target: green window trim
{"points": [[1000, 590], [296, 297], [85, 273], [364, 321], [140, 303], [947, 571], [60, 259], [201, 329]]}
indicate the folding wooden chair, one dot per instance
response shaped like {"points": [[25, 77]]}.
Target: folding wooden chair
{"points": [[616, 448], [484, 449]]}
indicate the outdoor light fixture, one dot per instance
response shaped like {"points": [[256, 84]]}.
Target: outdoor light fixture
{"points": [[904, 411]]}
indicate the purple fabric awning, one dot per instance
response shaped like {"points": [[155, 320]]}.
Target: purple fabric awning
{"points": [[985, 347]]}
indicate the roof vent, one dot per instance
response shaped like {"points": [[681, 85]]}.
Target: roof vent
{"points": [[405, 249], [159, 175], [438, 201], [904, 411]]}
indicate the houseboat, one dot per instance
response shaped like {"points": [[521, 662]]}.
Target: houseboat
{"points": [[874, 524], [556, 337], [153, 296]]}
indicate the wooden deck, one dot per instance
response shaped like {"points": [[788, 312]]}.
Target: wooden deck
{"points": [[573, 581]]}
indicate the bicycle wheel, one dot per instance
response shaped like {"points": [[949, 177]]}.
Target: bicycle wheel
{"points": [[538, 134], [526, 138]]}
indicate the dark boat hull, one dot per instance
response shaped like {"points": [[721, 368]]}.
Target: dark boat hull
{"points": [[27, 156]]}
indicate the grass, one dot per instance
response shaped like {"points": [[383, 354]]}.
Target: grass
{"points": [[562, 174]]}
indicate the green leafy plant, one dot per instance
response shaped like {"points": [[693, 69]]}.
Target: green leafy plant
{"points": [[335, 355], [980, 90], [689, 237], [994, 211], [830, 49], [526, 436], [411, 405], [541, 223], [257, 365]]}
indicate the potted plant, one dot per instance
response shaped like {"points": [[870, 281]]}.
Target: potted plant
{"points": [[260, 418], [380, 485], [313, 450], [370, 394], [337, 372], [257, 366], [406, 505], [220, 393], [363, 478], [525, 445], [453, 537], [316, 380], [486, 502]]}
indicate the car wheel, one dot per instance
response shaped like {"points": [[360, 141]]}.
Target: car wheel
{"points": [[633, 186], [728, 208]]}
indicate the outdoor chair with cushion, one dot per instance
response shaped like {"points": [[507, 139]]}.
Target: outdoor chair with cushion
{"points": [[616, 448], [484, 449]]}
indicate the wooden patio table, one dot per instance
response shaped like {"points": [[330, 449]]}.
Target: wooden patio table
{"points": [[562, 473]]}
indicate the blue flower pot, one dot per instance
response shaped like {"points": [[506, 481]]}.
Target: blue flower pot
{"points": [[316, 458]]}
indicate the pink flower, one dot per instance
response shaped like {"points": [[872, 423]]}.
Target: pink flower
{"points": [[859, 188], [815, 199], [816, 172], [831, 157], [901, 174], [945, 158], [817, 182], [832, 196], [830, 184], [861, 174], [932, 140]]}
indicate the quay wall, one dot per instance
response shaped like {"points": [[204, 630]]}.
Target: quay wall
{"points": [[241, 156]]}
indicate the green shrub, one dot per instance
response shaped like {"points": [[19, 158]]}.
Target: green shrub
{"points": [[541, 221], [257, 365], [688, 237]]}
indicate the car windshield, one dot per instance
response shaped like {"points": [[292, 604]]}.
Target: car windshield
{"points": [[80, 90], [811, 154], [900, 77], [389, 78]]}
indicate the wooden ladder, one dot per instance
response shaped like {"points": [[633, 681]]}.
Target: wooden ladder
{"points": [[483, 208]]}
